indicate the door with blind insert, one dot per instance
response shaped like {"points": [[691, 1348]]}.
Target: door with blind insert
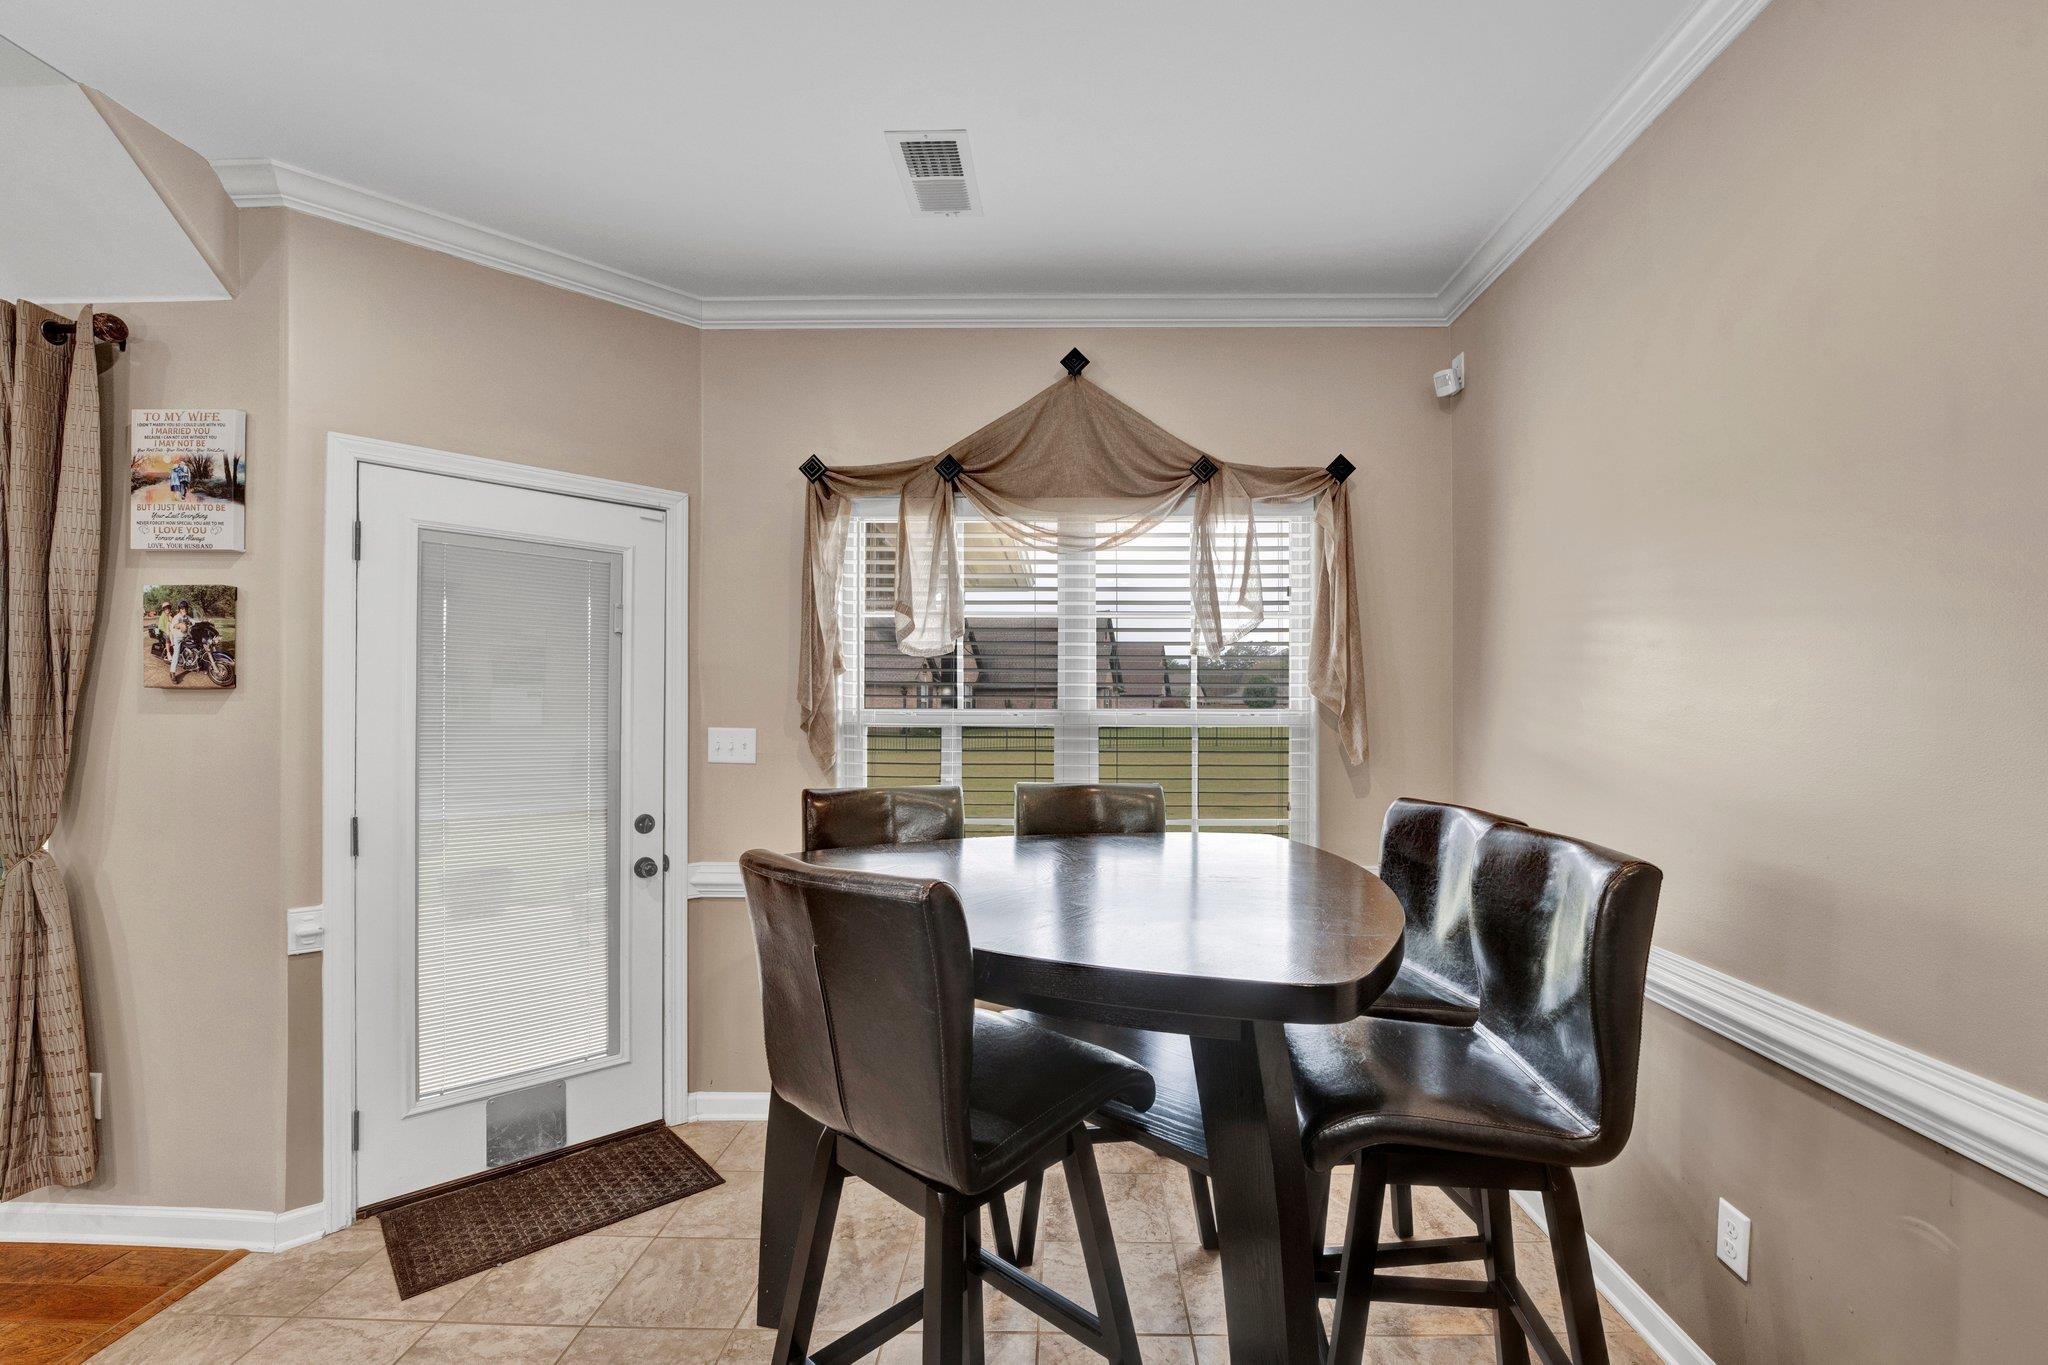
{"points": [[510, 671]]}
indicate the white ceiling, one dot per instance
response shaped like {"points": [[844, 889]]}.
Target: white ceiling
{"points": [[1376, 157]]}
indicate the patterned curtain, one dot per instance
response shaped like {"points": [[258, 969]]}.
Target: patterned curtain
{"points": [[49, 593]]}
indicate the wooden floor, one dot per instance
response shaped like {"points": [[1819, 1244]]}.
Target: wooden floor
{"points": [[64, 1302]]}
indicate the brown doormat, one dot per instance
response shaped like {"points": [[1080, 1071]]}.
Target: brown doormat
{"points": [[441, 1238]]}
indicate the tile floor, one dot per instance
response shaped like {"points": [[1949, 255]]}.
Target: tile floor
{"points": [[676, 1284]]}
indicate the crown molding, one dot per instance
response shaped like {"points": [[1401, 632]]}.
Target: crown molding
{"points": [[1074, 310], [1991, 1124], [273, 184], [1695, 42], [1699, 38]]}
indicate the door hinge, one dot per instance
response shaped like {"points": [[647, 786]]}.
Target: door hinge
{"points": [[355, 843], [355, 1131], [357, 552]]}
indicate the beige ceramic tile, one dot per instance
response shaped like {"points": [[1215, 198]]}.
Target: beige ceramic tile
{"points": [[1429, 1351], [683, 1282], [729, 1210], [1151, 1283], [647, 1346], [748, 1346], [268, 1286], [748, 1150], [709, 1138], [450, 1343], [1201, 1285], [863, 1276], [1059, 1349], [1142, 1208], [559, 1286], [865, 1212], [1129, 1157], [188, 1339], [369, 1291], [640, 1224], [1212, 1351], [331, 1341], [999, 1348]]}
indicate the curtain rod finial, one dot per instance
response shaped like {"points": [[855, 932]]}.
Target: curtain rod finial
{"points": [[1341, 468], [1074, 361], [812, 469]]}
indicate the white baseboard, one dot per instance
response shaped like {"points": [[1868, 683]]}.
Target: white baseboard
{"points": [[728, 1105], [152, 1225], [1658, 1329]]}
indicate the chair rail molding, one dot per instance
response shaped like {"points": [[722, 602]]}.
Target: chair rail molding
{"points": [[1992, 1124], [716, 882]]}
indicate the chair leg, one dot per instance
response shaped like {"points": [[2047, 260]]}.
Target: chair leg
{"points": [[1497, 1227], [1205, 1210], [946, 1217], [1027, 1222], [999, 1226], [1098, 1250], [1319, 1208], [1584, 1330], [971, 1309], [813, 1245], [1404, 1211], [1361, 1251]]}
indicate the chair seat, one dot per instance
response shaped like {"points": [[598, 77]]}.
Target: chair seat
{"points": [[1028, 1084], [1420, 997], [1393, 1083], [1174, 1118]]}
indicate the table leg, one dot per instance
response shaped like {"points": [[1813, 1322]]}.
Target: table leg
{"points": [[792, 1142], [1262, 1196]]}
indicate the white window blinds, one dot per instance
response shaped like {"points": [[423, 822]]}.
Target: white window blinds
{"points": [[1077, 665]]}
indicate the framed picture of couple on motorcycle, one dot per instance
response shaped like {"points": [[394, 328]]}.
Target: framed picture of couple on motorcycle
{"points": [[188, 632]]}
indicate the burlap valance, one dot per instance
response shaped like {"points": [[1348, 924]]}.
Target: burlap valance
{"points": [[1074, 444]]}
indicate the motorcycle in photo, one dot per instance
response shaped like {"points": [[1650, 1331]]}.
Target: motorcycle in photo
{"points": [[201, 649]]}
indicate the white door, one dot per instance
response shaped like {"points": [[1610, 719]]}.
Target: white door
{"points": [[510, 647]]}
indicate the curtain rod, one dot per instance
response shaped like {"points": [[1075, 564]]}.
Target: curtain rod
{"points": [[105, 328]]}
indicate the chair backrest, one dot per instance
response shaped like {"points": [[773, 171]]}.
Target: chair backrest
{"points": [[867, 993], [862, 817], [1428, 852], [1091, 808], [1561, 938]]}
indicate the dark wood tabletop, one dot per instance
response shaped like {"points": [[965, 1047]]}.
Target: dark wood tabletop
{"points": [[1230, 926]]}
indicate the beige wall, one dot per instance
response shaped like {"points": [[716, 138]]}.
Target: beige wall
{"points": [[1262, 396], [1749, 582], [209, 1035]]}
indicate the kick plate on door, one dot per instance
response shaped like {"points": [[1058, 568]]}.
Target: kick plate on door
{"points": [[524, 1123]]}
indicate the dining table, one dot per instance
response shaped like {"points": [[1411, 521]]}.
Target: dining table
{"points": [[1227, 938]]}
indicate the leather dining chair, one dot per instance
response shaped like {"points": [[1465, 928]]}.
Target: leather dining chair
{"points": [[1544, 1082], [1075, 808], [867, 987], [1428, 851], [861, 817]]}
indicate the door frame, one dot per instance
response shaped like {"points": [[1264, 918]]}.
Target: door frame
{"points": [[345, 457]]}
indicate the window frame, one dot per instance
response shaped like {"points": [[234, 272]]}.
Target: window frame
{"points": [[1077, 719]]}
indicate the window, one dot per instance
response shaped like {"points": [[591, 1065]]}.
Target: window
{"points": [[1078, 665]]}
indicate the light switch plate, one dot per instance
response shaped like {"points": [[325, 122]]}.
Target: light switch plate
{"points": [[730, 744]]}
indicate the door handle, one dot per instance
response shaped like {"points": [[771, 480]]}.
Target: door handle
{"points": [[645, 867]]}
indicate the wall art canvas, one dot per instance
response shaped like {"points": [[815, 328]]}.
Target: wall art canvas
{"points": [[187, 474], [188, 635]]}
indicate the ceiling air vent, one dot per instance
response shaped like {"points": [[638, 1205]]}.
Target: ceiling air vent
{"points": [[936, 171]]}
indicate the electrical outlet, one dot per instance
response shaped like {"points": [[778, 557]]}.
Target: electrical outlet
{"points": [[97, 1077], [729, 744], [1731, 1240]]}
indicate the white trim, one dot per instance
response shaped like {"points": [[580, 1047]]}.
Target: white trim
{"points": [[1991, 1124], [1658, 1329], [716, 882], [1698, 38], [305, 929], [274, 184], [1663, 76], [749, 1106], [149, 1225], [345, 456]]}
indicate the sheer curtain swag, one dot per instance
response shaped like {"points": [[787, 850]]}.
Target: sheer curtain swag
{"points": [[1074, 446]]}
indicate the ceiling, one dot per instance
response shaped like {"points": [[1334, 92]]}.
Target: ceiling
{"points": [[1138, 160]]}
